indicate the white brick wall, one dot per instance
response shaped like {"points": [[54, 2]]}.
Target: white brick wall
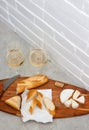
{"points": [[63, 25]]}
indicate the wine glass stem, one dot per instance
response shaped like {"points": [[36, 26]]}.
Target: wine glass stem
{"points": [[38, 70], [17, 71]]}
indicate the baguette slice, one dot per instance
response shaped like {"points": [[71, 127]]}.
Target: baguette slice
{"points": [[33, 104], [49, 105], [14, 102], [39, 100], [31, 94], [32, 82]]}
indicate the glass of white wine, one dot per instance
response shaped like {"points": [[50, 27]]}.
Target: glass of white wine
{"points": [[38, 58], [14, 56]]}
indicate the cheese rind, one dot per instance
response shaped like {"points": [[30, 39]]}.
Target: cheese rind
{"points": [[76, 94], [81, 100], [66, 94], [75, 104], [71, 99], [68, 103]]}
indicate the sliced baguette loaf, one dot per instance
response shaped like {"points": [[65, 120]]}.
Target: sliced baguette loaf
{"points": [[49, 105], [31, 82], [36, 81], [14, 102]]}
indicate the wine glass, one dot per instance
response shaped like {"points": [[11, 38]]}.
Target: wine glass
{"points": [[38, 58], [14, 56]]}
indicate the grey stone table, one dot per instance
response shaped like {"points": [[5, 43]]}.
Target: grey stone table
{"points": [[10, 122]]}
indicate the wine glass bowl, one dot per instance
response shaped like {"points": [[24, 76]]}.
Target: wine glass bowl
{"points": [[14, 58], [38, 58]]}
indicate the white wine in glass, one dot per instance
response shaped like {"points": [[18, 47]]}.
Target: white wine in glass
{"points": [[38, 57], [14, 58]]}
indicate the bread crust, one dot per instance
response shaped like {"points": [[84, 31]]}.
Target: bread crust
{"points": [[31, 94], [20, 88], [14, 102], [49, 105], [39, 99], [31, 82], [33, 104]]}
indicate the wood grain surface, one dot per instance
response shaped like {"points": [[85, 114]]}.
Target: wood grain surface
{"points": [[1, 87], [61, 110]]}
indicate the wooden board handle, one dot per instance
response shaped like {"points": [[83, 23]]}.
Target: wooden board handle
{"points": [[1, 88]]}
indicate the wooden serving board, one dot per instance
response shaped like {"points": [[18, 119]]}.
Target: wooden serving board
{"points": [[61, 110]]}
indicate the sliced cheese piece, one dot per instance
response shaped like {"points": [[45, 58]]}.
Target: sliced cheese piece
{"points": [[14, 102], [68, 103], [76, 94], [74, 104], [81, 99], [66, 94]]}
